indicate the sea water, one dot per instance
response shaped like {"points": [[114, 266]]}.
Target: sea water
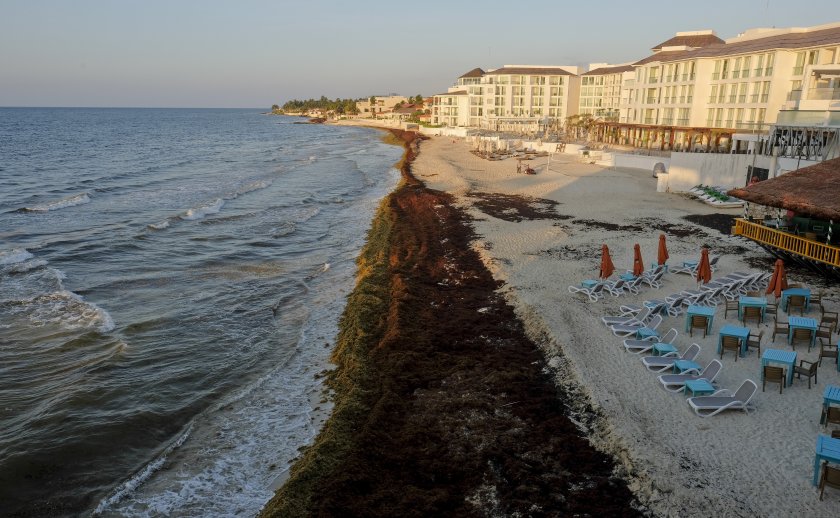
{"points": [[170, 286]]}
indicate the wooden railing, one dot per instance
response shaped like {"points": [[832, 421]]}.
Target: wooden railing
{"points": [[793, 244]]}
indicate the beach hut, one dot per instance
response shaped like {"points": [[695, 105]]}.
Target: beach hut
{"points": [[806, 234]]}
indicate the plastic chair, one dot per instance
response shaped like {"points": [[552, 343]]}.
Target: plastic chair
{"points": [[824, 332], [730, 343], [803, 336], [809, 370], [754, 342], [796, 301], [780, 328], [751, 313], [773, 375], [697, 322], [829, 317], [830, 477], [731, 305], [827, 351]]}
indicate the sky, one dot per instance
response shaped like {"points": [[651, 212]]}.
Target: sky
{"points": [[255, 53]]}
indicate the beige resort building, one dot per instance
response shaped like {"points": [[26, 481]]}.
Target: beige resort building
{"points": [[694, 92], [511, 98]]}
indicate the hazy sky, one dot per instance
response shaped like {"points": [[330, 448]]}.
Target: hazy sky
{"points": [[253, 53]]}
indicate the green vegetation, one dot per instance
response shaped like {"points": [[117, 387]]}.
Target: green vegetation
{"points": [[338, 106]]}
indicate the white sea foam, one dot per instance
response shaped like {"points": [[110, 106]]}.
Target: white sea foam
{"points": [[70, 201], [253, 186], [25, 266], [203, 210], [159, 226], [130, 485], [15, 255], [66, 310]]}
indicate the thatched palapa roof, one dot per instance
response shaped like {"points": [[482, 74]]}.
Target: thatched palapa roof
{"points": [[813, 190]]}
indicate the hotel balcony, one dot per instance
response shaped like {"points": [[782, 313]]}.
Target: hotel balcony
{"points": [[788, 245]]}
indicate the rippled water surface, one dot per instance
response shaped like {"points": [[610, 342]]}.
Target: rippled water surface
{"points": [[170, 283]]}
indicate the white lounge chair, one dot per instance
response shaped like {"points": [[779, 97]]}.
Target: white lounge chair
{"points": [[635, 346], [676, 382], [625, 330], [616, 288], [663, 363], [655, 280], [639, 318], [634, 285], [594, 293], [705, 406], [690, 269]]}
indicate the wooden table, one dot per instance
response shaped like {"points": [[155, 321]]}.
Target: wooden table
{"points": [[831, 395], [827, 449], [741, 333], [752, 302], [802, 323], [787, 358], [707, 312]]}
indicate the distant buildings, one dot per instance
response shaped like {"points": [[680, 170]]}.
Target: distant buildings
{"points": [[695, 90], [383, 104]]}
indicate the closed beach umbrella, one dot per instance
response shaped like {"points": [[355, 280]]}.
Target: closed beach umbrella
{"points": [[638, 264], [704, 269], [607, 267], [778, 281], [663, 251]]}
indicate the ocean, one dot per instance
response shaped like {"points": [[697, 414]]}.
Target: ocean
{"points": [[170, 287]]}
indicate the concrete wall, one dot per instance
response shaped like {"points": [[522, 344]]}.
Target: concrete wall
{"points": [[728, 170]]}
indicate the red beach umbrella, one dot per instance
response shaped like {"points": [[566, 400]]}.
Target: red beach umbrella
{"points": [[638, 264], [607, 267], [778, 281], [704, 269], [663, 251]]}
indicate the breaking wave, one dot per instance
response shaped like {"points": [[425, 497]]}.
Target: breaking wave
{"points": [[70, 201]]}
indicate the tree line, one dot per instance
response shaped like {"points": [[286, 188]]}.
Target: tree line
{"points": [[338, 105]]}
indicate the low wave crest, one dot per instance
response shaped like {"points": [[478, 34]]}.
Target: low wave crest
{"points": [[70, 201], [15, 255], [64, 309], [159, 226], [203, 210]]}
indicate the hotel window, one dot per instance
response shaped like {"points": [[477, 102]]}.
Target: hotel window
{"points": [[742, 92], [537, 80], [536, 111], [761, 113], [517, 80], [729, 113], [556, 91], [739, 116], [756, 91], [690, 97], [745, 69], [710, 117], [716, 73], [691, 73], [555, 80], [500, 90], [724, 69], [751, 116], [765, 91], [718, 117], [800, 64], [733, 92], [669, 73], [537, 90], [768, 69], [682, 117], [668, 116], [713, 95], [736, 70]]}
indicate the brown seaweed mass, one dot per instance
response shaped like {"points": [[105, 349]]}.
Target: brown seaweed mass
{"points": [[443, 406]]}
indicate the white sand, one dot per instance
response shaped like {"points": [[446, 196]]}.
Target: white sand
{"points": [[732, 464]]}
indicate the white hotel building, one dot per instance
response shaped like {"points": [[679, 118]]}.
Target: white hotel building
{"points": [[694, 91]]}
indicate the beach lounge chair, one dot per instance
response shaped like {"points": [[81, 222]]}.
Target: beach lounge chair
{"points": [[689, 269], [676, 382], [713, 260], [654, 281], [616, 288], [634, 285], [625, 330], [640, 318], [635, 346], [663, 363], [594, 293], [707, 406]]}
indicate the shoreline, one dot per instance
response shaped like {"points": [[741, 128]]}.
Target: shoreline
{"points": [[442, 404]]}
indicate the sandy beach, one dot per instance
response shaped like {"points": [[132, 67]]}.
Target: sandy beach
{"points": [[678, 464]]}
